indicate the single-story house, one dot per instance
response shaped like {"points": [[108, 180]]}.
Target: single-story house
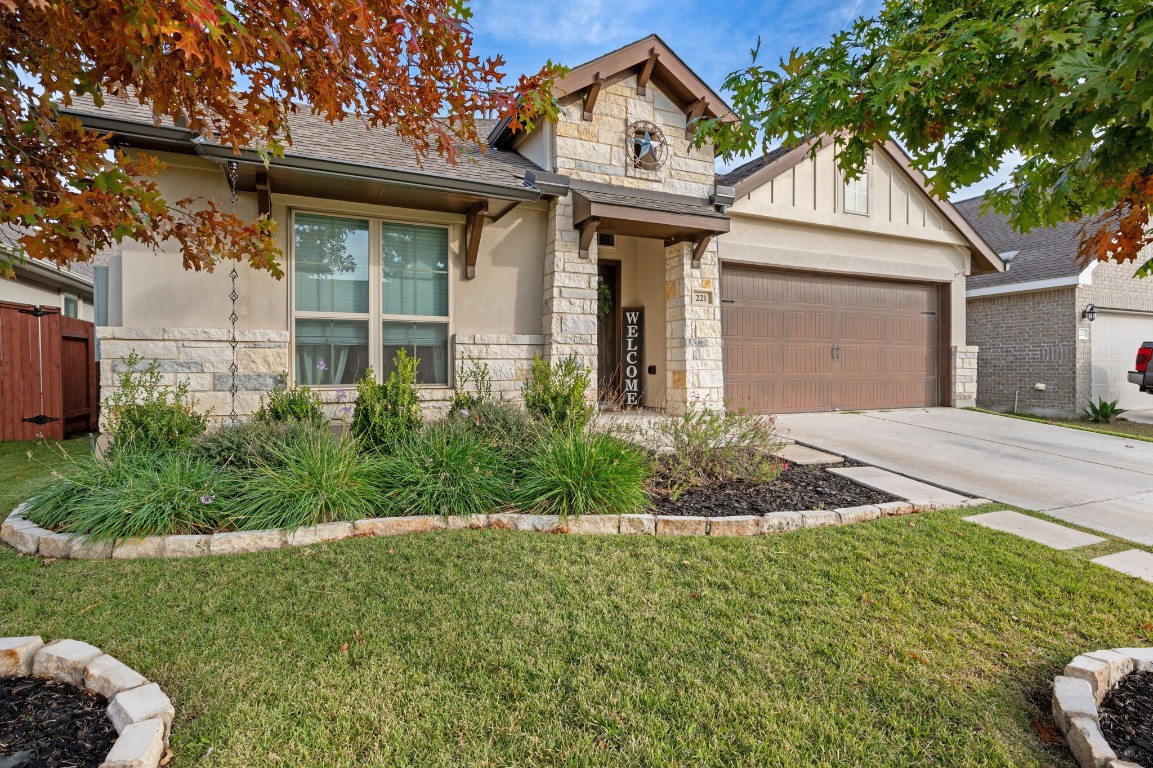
{"points": [[1053, 336], [43, 284], [778, 286]]}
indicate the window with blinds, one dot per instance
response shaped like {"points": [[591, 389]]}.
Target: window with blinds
{"points": [[365, 289]]}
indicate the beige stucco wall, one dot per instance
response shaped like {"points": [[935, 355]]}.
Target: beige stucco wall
{"points": [[26, 289]]}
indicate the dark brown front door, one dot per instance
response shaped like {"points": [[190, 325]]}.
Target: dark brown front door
{"points": [[797, 341], [608, 331]]}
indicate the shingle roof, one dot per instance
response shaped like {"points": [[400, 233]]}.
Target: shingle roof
{"points": [[664, 203], [351, 141], [742, 172], [1043, 254]]}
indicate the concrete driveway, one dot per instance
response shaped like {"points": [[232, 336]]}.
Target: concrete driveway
{"points": [[1098, 481]]}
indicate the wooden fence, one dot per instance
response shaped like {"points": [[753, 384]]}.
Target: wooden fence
{"points": [[48, 374]]}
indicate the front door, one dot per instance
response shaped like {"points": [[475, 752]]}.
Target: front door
{"points": [[608, 332]]}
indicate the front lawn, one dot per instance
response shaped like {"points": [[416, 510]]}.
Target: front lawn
{"points": [[908, 641]]}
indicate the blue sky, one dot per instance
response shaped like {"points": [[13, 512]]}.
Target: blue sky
{"points": [[714, 38]]}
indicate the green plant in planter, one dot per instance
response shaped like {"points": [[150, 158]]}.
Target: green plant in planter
{"points": [[474, 372], [709, 446], [143, 414], [299, 403], [244, 445], [385, 414], [1103, 411], [556, 393], [584, 473]]}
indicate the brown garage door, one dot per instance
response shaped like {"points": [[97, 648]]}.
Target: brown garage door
{"points": [[797, 341]]}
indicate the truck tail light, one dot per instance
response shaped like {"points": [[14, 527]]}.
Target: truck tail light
{"points": [[1143, 356]]}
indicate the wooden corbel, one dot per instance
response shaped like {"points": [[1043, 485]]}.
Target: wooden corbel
{"points": [[473, 226], [591, 96], [646, 72], [694, 113], [263, 195], [588, 231], [699, 248]]}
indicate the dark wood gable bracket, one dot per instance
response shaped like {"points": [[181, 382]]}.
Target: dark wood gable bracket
{"points": [[699, 248], [263, 195], [693, 114], [588, 230], [647, 71], [591, 95], [473, 226]]}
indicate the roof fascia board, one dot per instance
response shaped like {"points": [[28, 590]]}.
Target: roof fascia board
{"points": [[177, 136], [1029, 286], [585, 209], [53, 275]]}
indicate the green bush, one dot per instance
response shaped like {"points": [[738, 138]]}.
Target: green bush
{"points": [[584, 473], [136, 493], [316, 479], [247, 444], [556, 393], [709, 446], [477, 374], [297, 403], [446, 470], [387, 413], [143, 414], [503, 426], [1103, 411]]}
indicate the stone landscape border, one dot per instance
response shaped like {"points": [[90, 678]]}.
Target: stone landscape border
{"points": [[1080, 690], [141, 713], [25, 536]]}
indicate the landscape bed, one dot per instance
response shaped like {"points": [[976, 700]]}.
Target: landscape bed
{"points": [[50, 723]]}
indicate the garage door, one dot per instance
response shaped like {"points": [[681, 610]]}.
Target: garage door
{"points": [[798, 341], [1116, 337]]}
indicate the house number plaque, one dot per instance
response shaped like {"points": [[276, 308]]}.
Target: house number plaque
{"points": [[632, 356]]}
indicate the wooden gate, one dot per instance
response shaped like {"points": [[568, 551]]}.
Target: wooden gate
{"points": [[48, 374]]}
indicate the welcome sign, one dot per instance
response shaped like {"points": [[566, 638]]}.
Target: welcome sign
{"points": [[632, 355]]}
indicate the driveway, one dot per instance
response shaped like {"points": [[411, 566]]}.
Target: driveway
{"points": [[1097, 481]]}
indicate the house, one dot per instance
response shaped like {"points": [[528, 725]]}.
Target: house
{"points": [[1053, 336], [44, 284], [779, 286]]}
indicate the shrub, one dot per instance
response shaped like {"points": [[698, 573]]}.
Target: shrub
{"points": [[556, 393], [247, 444], [390, 412], [316, 479], [583, 473], [297, 403], [477, 374], [709, 446], [143, 414], [1103, 412], [503, 426], [136, 493], [446, 470]]}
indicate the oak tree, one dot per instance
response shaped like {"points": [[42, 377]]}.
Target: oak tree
{"points": [[232, 71], [1068, 85]]}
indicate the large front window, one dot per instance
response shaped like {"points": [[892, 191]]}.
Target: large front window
{"points": [[364, 289]]}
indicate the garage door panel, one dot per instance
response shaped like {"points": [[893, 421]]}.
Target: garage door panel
{"points": [[1115, 339], [885, 334]]}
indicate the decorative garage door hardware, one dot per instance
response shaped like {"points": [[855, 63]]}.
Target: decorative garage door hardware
{"points": [[27, 537]]}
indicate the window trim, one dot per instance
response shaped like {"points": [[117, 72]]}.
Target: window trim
{"points": [[376, 319], [845, 189]]}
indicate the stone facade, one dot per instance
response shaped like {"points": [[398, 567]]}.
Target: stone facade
{"points": [[1025, 339], [695, 375], [964, 390], [509, 359]]}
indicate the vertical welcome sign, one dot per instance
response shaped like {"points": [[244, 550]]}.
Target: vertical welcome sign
{"points": [[632, 355]]}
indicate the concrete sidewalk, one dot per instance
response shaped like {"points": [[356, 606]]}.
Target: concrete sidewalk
{"points": [[1097, 481]]}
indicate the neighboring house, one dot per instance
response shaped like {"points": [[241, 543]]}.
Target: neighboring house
{"points": [[44, 284], [778, 286], [1039, 351]]}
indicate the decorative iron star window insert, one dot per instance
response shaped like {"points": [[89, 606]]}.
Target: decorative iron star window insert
{"points": [[647, 146]]}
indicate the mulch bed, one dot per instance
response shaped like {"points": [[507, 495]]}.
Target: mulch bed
{"points": [[797, 489], [48, 724], [1127, 718]]}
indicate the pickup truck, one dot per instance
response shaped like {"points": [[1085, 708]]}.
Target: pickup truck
{"points": [[1143, 376]]}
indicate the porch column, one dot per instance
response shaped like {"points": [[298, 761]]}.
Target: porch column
{"points": [[569, 321], [695, 377]]}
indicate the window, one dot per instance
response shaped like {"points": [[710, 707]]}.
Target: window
{"points": [[71, 305], [857, 195], [364, 289]]}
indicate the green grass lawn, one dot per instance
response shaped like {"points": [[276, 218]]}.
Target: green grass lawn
{"points": [[20, 476], [920, 641], [1118, 428]]}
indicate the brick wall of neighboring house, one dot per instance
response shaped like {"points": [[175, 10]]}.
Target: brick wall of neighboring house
{"points": [[1112, 286], [1025, 339]]}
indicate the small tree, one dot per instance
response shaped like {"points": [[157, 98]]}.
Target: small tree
{"points": [[556, 393], [387, 413]]}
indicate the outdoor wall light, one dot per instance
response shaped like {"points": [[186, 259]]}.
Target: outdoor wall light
{"points": [[1089, 313]]}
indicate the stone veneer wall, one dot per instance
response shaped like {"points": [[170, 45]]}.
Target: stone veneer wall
{"points": [[200, 357], [695, 348], [964, 392], [509, 359], [1025, 339]]}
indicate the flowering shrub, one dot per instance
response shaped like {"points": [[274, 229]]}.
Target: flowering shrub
{"points": [[709, 446], [143, 414], [556, 393], [297, 403]]}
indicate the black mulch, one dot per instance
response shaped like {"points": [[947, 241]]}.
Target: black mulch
{"points": [[1127, 718], [47, 724], [796, 489]]}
